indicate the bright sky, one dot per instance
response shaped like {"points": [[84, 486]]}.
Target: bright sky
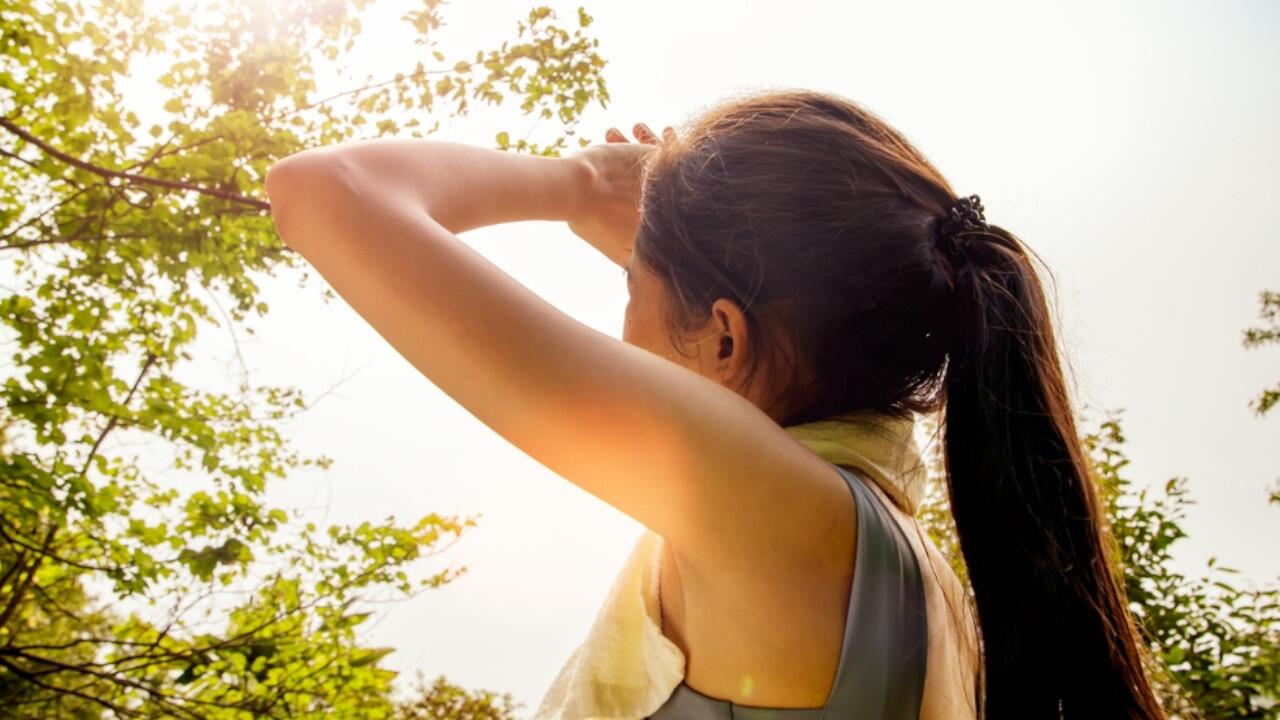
{"points": [[1133, 145]]}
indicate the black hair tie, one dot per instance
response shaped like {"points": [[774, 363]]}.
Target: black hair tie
{"points": [[963, 218]]}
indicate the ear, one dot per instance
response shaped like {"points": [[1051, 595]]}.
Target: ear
{"points": [[730, 340]]}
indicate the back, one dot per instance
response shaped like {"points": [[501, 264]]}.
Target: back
{"points": [[899, 659]]}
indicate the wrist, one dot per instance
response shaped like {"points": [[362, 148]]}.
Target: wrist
{"points": [[579, 185]]}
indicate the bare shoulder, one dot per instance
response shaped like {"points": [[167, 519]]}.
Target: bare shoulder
{"points": [[767, 505]]}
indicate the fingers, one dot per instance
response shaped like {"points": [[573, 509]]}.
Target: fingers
{"points": [[642, 133]]}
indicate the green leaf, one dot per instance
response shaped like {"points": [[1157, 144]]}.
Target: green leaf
{"points": [[368, 657]]}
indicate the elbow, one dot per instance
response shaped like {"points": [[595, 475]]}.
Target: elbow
{"points": [[305, 189], [293, 178]]}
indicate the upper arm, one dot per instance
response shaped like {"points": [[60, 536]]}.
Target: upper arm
{"points": [[681, 454]]}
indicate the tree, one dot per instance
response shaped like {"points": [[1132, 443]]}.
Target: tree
{"points": [[122, 595], [1256, 337], [1267, 334], [1218, 640]]}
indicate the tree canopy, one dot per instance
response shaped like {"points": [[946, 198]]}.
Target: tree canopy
{"points": [[124, 232]]}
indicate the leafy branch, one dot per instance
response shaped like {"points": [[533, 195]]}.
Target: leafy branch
{"points": [[132, 178]]}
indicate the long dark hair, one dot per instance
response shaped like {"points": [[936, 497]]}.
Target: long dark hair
{"points": [[822, 221]]}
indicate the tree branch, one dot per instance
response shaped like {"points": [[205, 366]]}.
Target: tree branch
{"points": [[58, 240], [130, 177], [29, 677], [21, 590]]}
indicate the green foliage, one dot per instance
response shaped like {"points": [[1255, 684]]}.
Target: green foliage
{"points": [[123, 593], [1267, 334], [443, 701], [1215, 641], [934, 512]]}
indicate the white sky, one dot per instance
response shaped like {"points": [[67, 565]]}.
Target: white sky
{"points": [[1133, 145]]}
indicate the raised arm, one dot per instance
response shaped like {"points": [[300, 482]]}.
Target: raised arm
{"points": [[674, 450]]}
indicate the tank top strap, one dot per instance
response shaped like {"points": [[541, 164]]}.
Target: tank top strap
{"points": [[882, 662]]}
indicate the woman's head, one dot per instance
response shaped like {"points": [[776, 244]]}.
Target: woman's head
{"points": [[813, 219], [789, 247]]}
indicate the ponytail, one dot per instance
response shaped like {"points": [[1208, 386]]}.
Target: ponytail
{"points": [[1057, 637]]}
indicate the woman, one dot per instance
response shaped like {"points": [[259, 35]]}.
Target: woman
{"points": [[789, 258]]}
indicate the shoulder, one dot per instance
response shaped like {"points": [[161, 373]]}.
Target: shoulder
{"points": [[772, 508]]}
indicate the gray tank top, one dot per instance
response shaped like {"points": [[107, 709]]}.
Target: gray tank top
{"points": [[882, 659]]}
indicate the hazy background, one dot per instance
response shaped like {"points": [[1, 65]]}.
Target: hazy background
{"points": [[1133, 145]]}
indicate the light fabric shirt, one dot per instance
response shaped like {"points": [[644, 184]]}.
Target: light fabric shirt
{"points": [[626, 668]]}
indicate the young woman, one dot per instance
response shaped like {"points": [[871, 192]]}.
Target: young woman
{"points": [[789, 257]]}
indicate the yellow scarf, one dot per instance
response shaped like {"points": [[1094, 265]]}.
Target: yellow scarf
{"points": [[626, 668]]}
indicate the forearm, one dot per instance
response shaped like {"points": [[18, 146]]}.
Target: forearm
{"points": [[461, 186]]}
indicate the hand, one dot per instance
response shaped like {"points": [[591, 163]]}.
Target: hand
{"points": [[609, 215]]}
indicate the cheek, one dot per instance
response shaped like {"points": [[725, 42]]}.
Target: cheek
{"points": [[638, 327], [629, 323]]}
